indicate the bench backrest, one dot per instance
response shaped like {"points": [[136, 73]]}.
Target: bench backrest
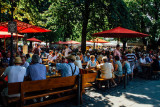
{"points": [[30, 86], [14, 88], [88, 78]]}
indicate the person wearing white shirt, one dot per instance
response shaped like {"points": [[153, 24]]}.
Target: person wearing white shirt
{"points": [[66, 51], [107, 70], [50, 56], [78, 62], [142, 60]]}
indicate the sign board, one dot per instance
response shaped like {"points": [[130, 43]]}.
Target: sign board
{"points": [[25, 49], [12, 27]]}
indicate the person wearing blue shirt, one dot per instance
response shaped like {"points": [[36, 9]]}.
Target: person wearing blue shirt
{"points": [[36, 71], [68, 69], [87, 58]]}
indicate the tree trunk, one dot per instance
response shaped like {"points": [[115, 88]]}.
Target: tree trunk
{"points": [[85, 15]]}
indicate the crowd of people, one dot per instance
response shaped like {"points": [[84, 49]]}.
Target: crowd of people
{"points": [[111, 63]]}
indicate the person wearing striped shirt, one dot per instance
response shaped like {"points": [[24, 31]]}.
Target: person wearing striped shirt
{"points": [[131, 59]]}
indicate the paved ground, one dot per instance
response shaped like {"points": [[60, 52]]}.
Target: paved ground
{"points": [[139, 93]]}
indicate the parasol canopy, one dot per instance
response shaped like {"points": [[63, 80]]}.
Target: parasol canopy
{"points": [[72, 42], [8, 35], [23, 27], [60, 42], [119, 32], [98, 40], [34, 40]]}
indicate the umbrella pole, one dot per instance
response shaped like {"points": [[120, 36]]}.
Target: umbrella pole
{"points": [[11, 59], [17, 41]]}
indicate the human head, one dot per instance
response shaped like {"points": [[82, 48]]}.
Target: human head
{"points": [[117, 58], [23, 60], [88, 55], [129, 51], [35, 58], [8, 55], [38, 46], [118, 47], [105, 59], [27, 56], [77, 58], [142, 56], [53, 54], [18, 61], [66, 46], [71, 58], [92, 57]]}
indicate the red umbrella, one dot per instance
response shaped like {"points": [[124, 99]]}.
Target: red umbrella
{"points": [[8, 35], [23, 27], [119, 32], [5, 35], [60, 42], [72, 42], [34, 40], [98, 40]]}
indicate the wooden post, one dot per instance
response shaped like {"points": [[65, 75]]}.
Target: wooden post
{"points": [[5, 44], [17, 41]]}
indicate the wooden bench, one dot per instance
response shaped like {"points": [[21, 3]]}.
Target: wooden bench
{"points": [[55, 86], [101, 81], [86, 81], [14, 88]]}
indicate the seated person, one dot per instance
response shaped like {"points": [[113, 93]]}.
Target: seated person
{"points": [[24, 62], [155, 64], [6, 59], [99, 59], [15, 73], [118, 67], [36, 71], [77, 62], [92, 63], [50, 56], [126, 65], [68, 69], [29, 59], [107, 70], [142, 60], [87, 57]]}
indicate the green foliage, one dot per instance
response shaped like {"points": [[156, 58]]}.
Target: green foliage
{"points": [[66, 17]]}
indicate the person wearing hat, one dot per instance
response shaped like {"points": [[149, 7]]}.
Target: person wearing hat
{"points": [[36, 71], [15, 73], [68, 69]]}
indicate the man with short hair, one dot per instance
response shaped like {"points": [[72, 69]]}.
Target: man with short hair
{"points": [[36, 71], [24, 62], [117, 51], [68, 69]]}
